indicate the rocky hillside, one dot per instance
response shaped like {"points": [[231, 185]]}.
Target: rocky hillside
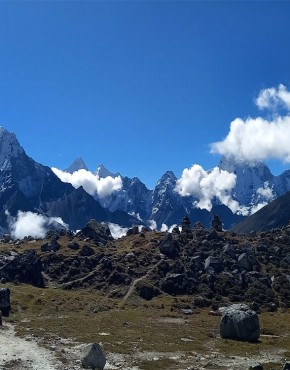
{"points": [[211, 266], [275, 215]]}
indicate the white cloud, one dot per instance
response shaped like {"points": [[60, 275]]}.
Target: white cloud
{"points": [[205, 186], [92, 184], [273, 98], [33, 224], [164, 228], [152, 225], [117, 231], [136, 215], [266, 192], [256, 139]]}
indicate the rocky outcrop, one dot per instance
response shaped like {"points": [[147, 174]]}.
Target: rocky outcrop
{"points": [[97, 232], [93, 357], [240, 323], [22, 268]]}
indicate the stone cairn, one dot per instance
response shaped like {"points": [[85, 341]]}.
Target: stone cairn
{"points": [[217, 223], [185, 224]]}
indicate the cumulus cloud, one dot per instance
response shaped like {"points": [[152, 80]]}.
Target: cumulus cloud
{"points": [[266, 192], [92, 184], [164, 227], [33, 224], [117, 231], [265, 195], [136, 215], [152, 225], [205, 186], [256, 139], [274, 98]]}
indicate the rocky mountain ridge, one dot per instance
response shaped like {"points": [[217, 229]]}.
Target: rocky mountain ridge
{"points": [[29, 186], [211, 266], [255, 187]]}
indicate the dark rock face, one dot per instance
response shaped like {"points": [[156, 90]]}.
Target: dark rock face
{"points": [[238, 322], [24, 268], [5, 301], [96, 232]]}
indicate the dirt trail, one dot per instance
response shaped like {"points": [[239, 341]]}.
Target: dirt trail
{"points": [[22, 354], [132, 286]]}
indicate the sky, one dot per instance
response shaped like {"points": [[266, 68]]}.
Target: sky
{"points": [[144, 86]]}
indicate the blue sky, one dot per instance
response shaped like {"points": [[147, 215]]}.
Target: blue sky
{"points": [[142, 87]]}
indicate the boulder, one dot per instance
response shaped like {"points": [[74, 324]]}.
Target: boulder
{"points": [[169, 247], [99, 233], [73, 245], [133, 231], [245, 262], [52, 246], [215, 263], [239, 322], [93, 357], [4, 302]]}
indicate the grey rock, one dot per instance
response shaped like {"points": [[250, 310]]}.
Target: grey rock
{"points": [[93, 357], [240, 323], [230, 250], [169, 247], [215, 263], [245, 262]]}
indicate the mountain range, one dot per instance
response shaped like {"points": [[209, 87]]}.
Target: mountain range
{"points": [[29, 186], [255, 187]]}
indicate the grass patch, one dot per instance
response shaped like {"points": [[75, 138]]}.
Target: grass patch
{"points": [[87, 316]]}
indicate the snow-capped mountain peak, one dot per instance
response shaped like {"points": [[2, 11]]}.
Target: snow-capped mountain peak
{"points": [[103, 172], [9, 147], [78, 164]]}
